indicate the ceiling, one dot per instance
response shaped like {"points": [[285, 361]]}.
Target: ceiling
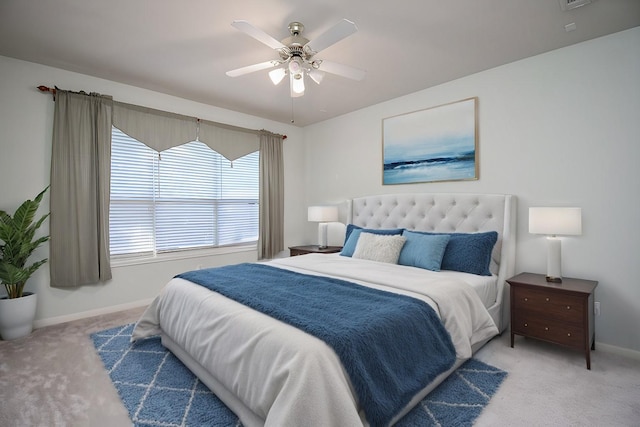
{"points": [[184, 48]]}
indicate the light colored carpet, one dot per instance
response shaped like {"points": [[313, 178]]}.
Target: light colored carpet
{"points": [[55, 378]]}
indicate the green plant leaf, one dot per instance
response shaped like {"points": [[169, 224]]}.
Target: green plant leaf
{"points": [[11, 275], [17, 233], [24, 215]]}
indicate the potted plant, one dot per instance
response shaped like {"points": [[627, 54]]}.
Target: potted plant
{"points": [[17, 243]]}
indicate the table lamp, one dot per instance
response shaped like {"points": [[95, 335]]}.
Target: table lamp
{"points": [[553, 222], [322, 215]]}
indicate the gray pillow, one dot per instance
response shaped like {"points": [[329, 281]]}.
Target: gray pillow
{"points": [[381, 248]]}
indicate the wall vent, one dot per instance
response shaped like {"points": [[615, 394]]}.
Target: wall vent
{"points": [[572, 4]]}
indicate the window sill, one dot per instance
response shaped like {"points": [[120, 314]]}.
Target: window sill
{"points": [[173, 256]]}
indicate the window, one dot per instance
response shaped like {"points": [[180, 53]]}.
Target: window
{"points": [[187, 197]]}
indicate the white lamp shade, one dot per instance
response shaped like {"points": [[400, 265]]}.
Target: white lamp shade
{"points": [[322, 213], [297, 85], [555, 221], [277, 75], [316, 76]]}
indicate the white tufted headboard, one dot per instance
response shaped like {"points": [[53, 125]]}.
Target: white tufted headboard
{"points": [[448, 213]]}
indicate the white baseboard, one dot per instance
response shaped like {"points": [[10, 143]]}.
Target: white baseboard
{"points": [[626, 352], [41, 323]]}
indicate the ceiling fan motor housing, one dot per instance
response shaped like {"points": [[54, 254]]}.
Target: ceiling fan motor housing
{"points": [[296, 28], [295, 44]]}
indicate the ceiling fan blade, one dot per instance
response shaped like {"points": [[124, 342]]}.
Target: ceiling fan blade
{"points": [[251, 68], [342, 70], [257, 34], [333, 35]]}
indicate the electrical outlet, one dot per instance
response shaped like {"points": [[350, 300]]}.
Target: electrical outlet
{"points": [[596, 308]]}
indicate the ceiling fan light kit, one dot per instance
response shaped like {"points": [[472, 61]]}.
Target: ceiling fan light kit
{"points": [[297, 55], [316, 76], [297, 85], [276, 75]]}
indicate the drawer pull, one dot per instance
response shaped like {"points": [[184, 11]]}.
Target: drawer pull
{"points": [[569, 334], [568, 307], [547, 299], [526, 324], [546, 328], [526, 299]]}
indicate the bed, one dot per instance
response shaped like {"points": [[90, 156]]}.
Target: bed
{"points": [[272, 373]]}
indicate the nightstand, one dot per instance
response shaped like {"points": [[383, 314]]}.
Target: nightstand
{"points": [[560, 313], [313, 249]]}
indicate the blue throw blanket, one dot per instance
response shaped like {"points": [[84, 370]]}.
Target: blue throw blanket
{"points": [[392, 346]]}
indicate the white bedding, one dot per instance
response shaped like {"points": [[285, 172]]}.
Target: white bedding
{"points": [[281, 375], [485, 286]]}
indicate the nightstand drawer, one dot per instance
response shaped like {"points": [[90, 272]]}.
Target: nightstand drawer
{"points": [[565, 334], [563, 307]]}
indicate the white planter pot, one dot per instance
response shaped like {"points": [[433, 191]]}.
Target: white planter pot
{"points": [[16, 316]]}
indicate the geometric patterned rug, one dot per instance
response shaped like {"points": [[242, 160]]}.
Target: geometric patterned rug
{"points": [[158, 390]]}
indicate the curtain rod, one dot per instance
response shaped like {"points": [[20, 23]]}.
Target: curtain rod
{"points": [[43, 88], [52, 91]]}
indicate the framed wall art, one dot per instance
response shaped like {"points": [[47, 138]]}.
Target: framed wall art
{"points": [[432, 145]]}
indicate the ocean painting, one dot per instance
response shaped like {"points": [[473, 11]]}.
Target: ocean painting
{"points": [[436, 144]]}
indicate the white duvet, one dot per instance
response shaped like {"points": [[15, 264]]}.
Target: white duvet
{"points": [[280, 375]]}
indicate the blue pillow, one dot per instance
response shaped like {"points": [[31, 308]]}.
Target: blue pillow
{"points": [[423, 250], [468, 252], [353, 232]]}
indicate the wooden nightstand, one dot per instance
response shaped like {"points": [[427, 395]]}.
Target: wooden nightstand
{"points": [[561, 313], [313, 249]]}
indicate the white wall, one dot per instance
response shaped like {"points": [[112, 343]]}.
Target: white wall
{"points": [[558, 129], [26, 118]]}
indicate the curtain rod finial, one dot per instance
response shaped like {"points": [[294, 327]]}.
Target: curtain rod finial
{"points": [[44, 88]]}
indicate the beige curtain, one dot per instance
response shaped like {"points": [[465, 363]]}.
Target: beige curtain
{"points": [[271, 239], [156, 129], [161, 130], [81, 173], [80, 189], [230, 141]]}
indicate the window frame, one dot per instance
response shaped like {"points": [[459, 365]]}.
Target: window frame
{"points": [[157, 255]]}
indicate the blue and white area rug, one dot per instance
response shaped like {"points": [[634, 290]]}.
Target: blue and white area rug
{"points": [[158, 390]]}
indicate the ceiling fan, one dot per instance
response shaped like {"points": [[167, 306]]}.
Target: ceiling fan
{"points": [[298, 55]]}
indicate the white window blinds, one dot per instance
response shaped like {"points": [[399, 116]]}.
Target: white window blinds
{"points": [[187, 197]]}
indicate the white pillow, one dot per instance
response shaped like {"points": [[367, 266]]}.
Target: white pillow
{"points": [[378, 247]]}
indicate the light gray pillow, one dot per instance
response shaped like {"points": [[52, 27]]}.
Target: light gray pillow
{"points": [[377, 247]]}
